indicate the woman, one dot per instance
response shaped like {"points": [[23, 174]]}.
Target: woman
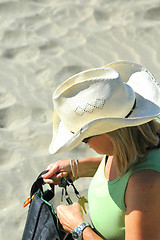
{"points": [[113, 110]]}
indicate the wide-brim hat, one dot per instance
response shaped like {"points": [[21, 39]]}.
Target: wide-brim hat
{"points": [[101, 100]]}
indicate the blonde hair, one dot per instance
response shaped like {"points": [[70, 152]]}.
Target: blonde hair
{"points": [[132, 142]]}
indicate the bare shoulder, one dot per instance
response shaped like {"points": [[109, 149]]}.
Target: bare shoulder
{"points": [[142, 200], [143, 184], [146, 179]]}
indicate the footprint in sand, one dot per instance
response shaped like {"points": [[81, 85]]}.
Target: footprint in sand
{"points": [[153, 14], [6, 99]]}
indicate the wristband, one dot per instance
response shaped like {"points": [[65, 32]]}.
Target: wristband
{"points": [[78, 231]]}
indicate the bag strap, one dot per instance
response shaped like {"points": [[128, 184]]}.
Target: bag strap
{"points": [[38, 185], [49, 194]]}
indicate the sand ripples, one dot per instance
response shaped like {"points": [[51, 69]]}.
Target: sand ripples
{"points": [[43, 42]]}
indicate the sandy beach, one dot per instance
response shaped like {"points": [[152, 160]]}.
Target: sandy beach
{"points": [[42, 43]]}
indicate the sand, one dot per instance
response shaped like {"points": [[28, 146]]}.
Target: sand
{"points": [[42, 42]]}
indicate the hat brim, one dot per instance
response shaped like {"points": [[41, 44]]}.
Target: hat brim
{"points": [[126, 68], [63, 140]]}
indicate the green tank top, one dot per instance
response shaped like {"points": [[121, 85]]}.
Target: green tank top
{"points": [[106, 198]]}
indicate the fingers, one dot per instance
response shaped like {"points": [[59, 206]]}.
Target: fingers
{"points": [[48, 181], [62, 174], [75, 207], [56, 179], [56, 171], [70, 216], [52, 170]]}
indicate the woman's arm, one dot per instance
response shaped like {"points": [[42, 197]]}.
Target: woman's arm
{"points": [[87, 168], [142, 199]]}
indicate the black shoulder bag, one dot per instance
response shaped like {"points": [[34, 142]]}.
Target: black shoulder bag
{"points": [[42, 222]]}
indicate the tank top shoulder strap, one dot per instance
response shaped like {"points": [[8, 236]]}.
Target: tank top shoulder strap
{"points": [[118, 187]]}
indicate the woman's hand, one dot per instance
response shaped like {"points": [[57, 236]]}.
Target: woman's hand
{"points": [[70, 216], [57, 170]]}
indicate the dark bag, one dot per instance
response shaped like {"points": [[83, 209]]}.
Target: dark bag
{"points": [[42, 222]]}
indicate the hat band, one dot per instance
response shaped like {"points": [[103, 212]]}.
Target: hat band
{"points": [[134, 105]]}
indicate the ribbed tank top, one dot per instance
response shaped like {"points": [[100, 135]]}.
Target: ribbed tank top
{"points": [[106, 198]]}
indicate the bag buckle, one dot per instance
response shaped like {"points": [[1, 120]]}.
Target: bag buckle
{"points": [[28, 200]]}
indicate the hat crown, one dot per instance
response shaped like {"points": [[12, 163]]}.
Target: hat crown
{"points": [[85, 98], [97, 101]]}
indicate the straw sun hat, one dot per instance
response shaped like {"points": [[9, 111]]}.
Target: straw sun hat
{"points": [[101, 100]]}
